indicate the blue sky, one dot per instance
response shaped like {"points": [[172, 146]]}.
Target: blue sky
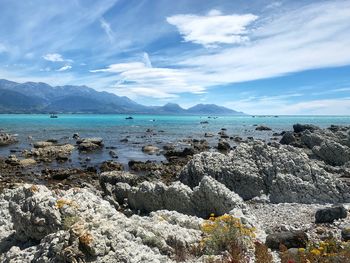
{"points": [[260, 57]]}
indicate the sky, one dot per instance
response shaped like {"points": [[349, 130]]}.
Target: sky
{"points": [[258, 56]]}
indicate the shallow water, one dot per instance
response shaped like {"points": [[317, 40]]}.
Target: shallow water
{"points": [[113, 128]]}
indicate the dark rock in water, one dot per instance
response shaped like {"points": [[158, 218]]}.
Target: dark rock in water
{"points": [[288, 138], [184, 153], [124, 140], [111, 147], [52, 140], [262, 128], [223, 146], [345, 233], [303, 127], [169, 147], [149, 130], [139, 166], [60, 174], [290, 239], [129, 118], [12, 160], [328, 215], [204, 122], [76, 136], [113, 154], [208, 134], [223, 135], [111, 166], [238, 139], [223, 129], [332, 153], [7, 139]]}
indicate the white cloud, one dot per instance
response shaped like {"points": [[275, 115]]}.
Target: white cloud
{"points": [[55, 57], [136, 79], [214, 28], [309, 37], [64, 68], [271, 105], [107, 28]]}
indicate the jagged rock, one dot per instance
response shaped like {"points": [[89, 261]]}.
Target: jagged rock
{"points": [[109, 179], [91, 230], [288, 138], [263, 128], [7, 139], [33, 212], [328, 215], [290, 239], [253, 169], [209, 197], [332, 153], [303, 127]]}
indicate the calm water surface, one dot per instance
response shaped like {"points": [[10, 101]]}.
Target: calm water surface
{"points": [[166, 129]]}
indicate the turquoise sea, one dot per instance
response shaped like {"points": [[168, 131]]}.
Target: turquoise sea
{"points": [[166, 129]]}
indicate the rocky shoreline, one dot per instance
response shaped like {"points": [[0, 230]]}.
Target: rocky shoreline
{"points": [[292, 190]]}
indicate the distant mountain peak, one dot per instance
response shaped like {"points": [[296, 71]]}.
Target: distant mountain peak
{"points": [[39, 97]]}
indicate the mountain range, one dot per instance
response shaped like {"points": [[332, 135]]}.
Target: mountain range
{"points": [[38, 97]]}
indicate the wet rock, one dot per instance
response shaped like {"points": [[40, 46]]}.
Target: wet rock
{"points": [[7, 139], [111, 166], [223, 135], [42, 144], [263, 128], [52, 152], [224, 146], [204, 122], [90, 144], [113, 154], [303, 127], [328, 215], [238, 139], [208, 134], [124, 140], [332, 153], [76, 136], [12, 160], [290, 239], [150, 149]]}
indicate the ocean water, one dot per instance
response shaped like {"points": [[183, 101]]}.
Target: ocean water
{"points": [[166, 129]]}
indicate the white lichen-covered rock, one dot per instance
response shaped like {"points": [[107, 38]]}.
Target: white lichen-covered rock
{"points": [[33, 212], [208, 197], [332, 153], [78, 225], [284, 173]]}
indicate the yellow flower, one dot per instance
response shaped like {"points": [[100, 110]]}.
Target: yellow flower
{"points": [[316, 252], [301, 250]]}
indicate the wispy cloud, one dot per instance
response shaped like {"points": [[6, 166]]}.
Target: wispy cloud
{"points": [[107, 28], [213, 28], [64, 68], [137, 79], [281, 105], [55, 57]]}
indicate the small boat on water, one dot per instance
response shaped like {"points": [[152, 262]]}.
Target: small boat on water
{"points": [[53, 116]]}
